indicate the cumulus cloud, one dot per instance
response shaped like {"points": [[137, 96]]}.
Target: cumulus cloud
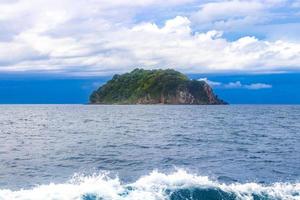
{"points": [[237, 85], [91, 37]]}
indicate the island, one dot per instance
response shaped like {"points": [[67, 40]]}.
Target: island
{"points": [[155, 87]]}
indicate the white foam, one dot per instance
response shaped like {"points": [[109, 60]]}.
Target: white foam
{"points": [[150, 187]]}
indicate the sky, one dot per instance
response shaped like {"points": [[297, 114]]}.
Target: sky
{"points": [[247, 50]]}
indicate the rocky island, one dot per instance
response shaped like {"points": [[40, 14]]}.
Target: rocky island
{"points": [[154, 87]]}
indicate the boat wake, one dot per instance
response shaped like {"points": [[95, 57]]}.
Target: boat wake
{"points": [[179, 185]]}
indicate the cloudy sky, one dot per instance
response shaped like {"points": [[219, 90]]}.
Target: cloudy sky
{"points": [[96, 37], [243, 48]]}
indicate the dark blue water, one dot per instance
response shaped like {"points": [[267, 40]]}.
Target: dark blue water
{"points": [[149, 152]]}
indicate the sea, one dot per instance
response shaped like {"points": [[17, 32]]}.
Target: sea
{"points": [[149, 152]]}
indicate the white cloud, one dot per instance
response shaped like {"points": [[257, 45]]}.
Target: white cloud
{"points": [[223, 10], [237, 85], [252, 86], [231, 13], [102, 37], [257, 86], [246, 17], [209, 82]]}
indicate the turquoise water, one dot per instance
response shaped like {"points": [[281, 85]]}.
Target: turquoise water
{"points": [[149, 152]]}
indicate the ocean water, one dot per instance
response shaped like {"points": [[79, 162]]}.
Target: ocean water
{"points": [[74, 152]]}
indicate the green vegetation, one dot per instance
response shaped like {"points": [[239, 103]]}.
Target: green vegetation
{"points": [[151, 87]]}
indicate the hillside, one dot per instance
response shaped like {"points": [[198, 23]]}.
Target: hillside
{"points": [[154, 87]]}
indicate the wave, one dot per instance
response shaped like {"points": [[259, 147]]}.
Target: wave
{"points": [[179, 185]]}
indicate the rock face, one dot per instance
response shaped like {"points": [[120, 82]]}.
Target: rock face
{"points": [[154, 87]]}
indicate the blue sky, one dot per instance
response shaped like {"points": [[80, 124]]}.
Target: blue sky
{"points": [[249, 50]]}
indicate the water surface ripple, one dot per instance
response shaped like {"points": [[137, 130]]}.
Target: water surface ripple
{"points": [[41, 144]]}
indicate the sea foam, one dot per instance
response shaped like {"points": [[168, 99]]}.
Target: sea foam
{"points": [[179, 185]]}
